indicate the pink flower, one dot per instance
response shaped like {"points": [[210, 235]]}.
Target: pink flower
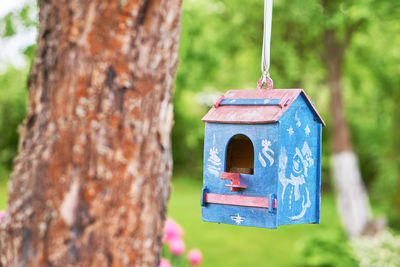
{"points": [[164, 263], [2, 214], [176, 246], [172, 230], [195, 257]]}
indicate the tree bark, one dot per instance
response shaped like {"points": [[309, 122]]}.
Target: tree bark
{"points": [[91, 181], [352, 197]]}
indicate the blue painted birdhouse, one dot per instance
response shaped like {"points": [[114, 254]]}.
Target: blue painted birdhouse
{"points": [[262, 159]]}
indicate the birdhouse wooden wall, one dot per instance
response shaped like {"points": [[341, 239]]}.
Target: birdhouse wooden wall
{"points": [[299, 171]]}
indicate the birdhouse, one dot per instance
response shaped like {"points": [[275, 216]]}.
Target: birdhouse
{"points": [[262, 159]]}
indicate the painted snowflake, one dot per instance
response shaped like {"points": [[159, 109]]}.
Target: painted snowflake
{"points": [[307, 130], [290, 130], [237, 219]]}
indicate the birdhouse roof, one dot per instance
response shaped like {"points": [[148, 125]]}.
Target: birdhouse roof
{"points": [[256, 106]]}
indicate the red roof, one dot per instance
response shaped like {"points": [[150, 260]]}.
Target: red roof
{"points": [[255, 106]]}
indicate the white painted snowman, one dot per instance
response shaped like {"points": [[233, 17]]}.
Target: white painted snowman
{"points": [[295, 195]]}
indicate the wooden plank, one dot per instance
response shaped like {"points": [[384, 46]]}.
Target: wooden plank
{"points": [[246, 201], [250, 102]]}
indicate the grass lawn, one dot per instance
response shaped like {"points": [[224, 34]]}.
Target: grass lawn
{"points": [[229, 245]]}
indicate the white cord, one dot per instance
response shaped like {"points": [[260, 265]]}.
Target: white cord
{"points": [[265, 58]]}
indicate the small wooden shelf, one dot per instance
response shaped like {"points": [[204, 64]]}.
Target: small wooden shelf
{"points": [[236, 187]]}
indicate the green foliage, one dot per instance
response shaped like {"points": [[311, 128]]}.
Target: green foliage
{"points": [[8, 26], [372, 67], [18, 20], [13, 97], [27, 15], [13, 91], [329, 249]]}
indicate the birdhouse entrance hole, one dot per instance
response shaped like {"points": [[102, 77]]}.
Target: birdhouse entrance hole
{"points": [[240, 155]]}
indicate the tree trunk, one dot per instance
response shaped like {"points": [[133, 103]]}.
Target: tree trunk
{"points": [[91, 181], [352, 196]]}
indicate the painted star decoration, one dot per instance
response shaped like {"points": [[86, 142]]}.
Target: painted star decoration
{"points": [[290, 130], [237, 219], [307, 130]]}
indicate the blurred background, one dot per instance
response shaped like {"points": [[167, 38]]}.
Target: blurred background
{"points": [[220, 50]]}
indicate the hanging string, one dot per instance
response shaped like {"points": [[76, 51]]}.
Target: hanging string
{"points": [[265, 80]]}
